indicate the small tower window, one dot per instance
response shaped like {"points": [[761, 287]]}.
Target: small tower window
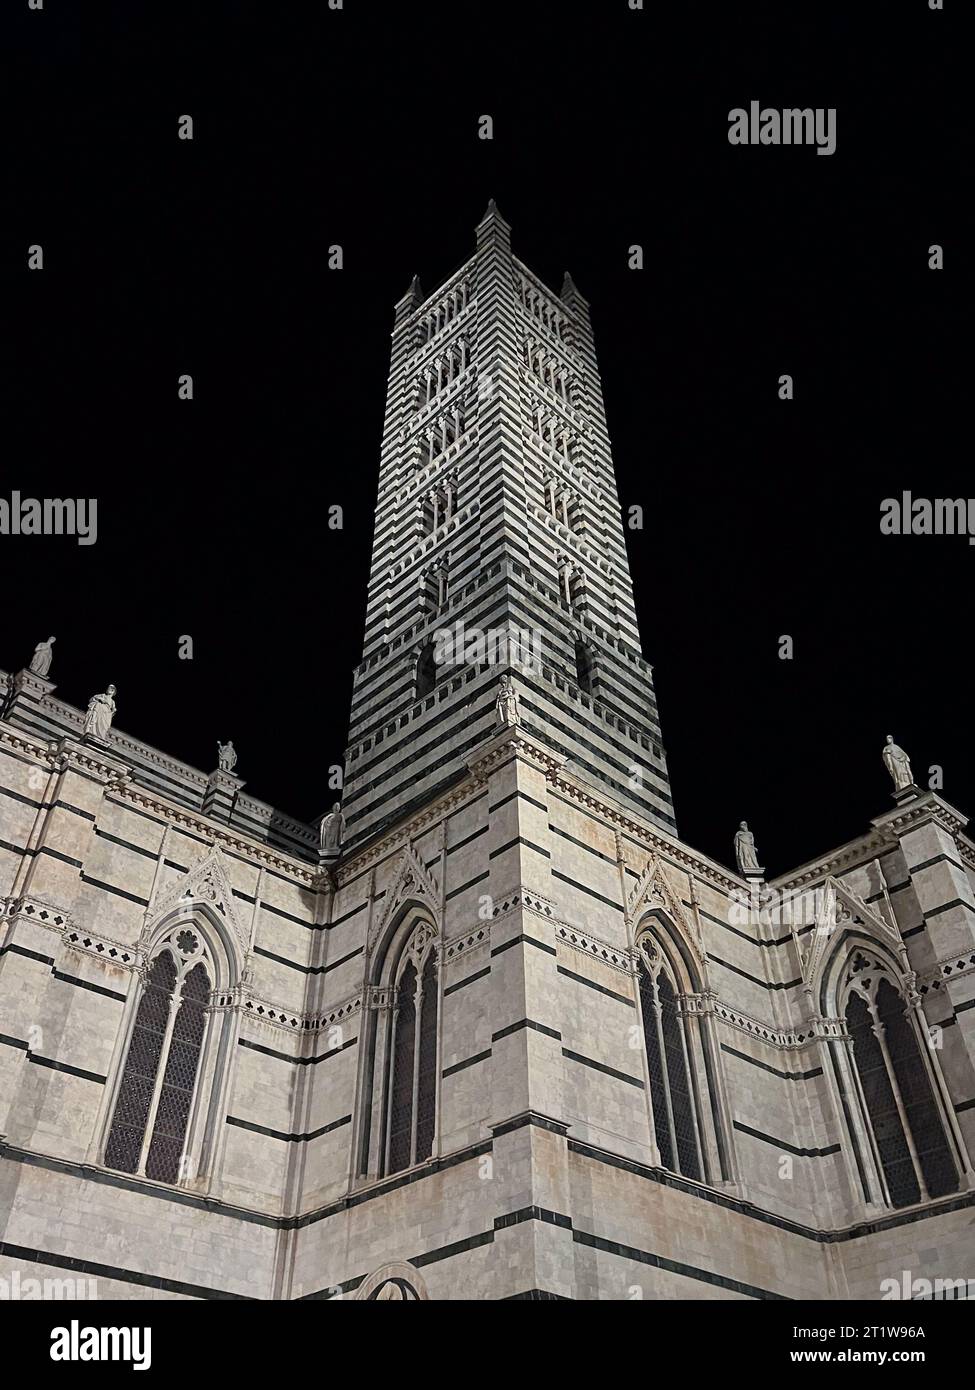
{"points": [[585, 666], [426, 671]]}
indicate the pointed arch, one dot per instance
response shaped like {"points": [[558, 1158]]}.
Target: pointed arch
{"points": [[393, 1281], [655, 894], [412, 887], [839, 916], [203, 896], [164, 1113]]}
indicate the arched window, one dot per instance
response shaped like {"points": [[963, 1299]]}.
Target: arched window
{"points": [[179, 1078], [881, 1106], [399, 1122], [895, 1085], [149, 1123], [413, 1064], [676, 1121]]}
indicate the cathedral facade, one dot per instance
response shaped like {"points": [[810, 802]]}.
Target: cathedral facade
{"points": [[491, 1030]]}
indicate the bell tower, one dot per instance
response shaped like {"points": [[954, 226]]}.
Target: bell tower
{"points": [[498, 549]]}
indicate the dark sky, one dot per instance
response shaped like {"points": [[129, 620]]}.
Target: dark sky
{"points": [[358, 127]]}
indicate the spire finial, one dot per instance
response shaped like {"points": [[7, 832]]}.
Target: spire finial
{"points": [[414, 295], [569, 293], [492, 226]]}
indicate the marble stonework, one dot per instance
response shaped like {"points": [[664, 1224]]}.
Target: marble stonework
{"points": [[520, 835]]}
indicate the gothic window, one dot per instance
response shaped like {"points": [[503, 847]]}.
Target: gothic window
{"points": [[881, 1106], [896, 1088], [445, 430], [678, 1078], [179, 1078], [564, 506], [402, 1073], [412, 1091], [148, 1131], [141, 1067], [572, 582], [434, 586], [675, 1118], [426, 1090], [441, 314], [439, 505], [439, 372]]}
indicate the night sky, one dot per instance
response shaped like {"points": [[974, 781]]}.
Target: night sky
{"points": [[359, 127]]}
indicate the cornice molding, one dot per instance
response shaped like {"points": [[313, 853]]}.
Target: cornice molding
{"points": [[651, 839], [412, 829], [217, 834], [881, 839], [861, 851], [928, 807]]}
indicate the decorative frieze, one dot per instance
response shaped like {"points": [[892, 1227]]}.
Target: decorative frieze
{"points": [[35, 910], [954, 968], [104, 948], [466, 944], [263, 1011], [617, 958], [813, 1031]]}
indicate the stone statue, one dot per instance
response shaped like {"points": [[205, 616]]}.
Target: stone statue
{"points": [[898, 764], [40, 662], [226, 756], [101, 712], [332, 830], [745, 851], [507, 703]]}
